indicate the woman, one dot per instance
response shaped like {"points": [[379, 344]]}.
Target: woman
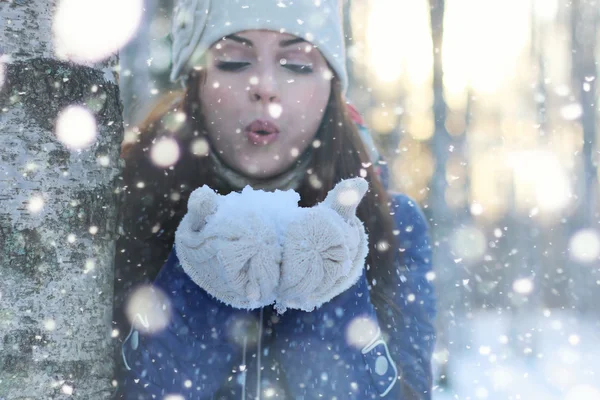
{"points": [[263, 106]]}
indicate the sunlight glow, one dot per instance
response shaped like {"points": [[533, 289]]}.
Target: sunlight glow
{"points": [[391, 58], [479, 51], [540, 178], [546, 10]]}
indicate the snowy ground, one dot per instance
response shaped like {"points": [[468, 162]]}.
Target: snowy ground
{"points": [[550, 356]]}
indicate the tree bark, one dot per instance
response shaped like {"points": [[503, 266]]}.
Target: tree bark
{"points": [[58, 216]]}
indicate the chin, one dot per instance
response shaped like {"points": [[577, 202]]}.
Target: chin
{"points": [[263, 172]]}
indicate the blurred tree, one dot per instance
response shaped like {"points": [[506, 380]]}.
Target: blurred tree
{"points": [[135, 76], [584, 36], [442, 222], [145, 62], [348, 32], [58, 212], [550, 277]]}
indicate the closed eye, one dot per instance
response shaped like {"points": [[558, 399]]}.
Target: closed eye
{"points": [[231, 66], [299, 68]]}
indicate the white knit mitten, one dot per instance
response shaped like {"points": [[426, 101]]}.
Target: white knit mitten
{"points": [[324, 249], [229, 245]]}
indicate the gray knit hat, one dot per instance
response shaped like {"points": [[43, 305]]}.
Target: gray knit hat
{"points": [[197, 24]]}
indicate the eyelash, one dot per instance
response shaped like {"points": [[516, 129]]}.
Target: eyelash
{"points": [[299, 68], [233, 66]]}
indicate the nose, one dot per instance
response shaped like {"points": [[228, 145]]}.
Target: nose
{"points": [[264, 88]]}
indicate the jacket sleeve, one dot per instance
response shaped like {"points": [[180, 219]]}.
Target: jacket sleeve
{"points": [[194, 354], [411, 333]]}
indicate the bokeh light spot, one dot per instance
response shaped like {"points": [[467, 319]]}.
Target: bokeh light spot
{"points": [[468, 243], [165, 152], [200, 147], [584, 246], [3, 60], [348, 197], [50, 324], [571, 112], [361, 332], [275, 110], [523, 286], [76, 128], [67, 389], [90, 30], [149, 308], [36, 204]]}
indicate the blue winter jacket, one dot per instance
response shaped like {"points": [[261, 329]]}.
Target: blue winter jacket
{"points": [[210, 350]]}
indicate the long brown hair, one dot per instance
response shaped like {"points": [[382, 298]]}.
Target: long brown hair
{"points": [[156, 198]]}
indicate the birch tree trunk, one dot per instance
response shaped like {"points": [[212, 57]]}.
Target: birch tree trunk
{"points": [[57, 216]]}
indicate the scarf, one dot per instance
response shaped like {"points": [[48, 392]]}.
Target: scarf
{"points": [[289, 179]]}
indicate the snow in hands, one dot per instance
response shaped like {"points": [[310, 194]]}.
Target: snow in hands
{"points": [[256, 248]]}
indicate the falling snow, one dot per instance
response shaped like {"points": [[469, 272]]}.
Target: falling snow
{"points": [[512, 168]]}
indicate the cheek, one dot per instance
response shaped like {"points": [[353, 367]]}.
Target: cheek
{"points": [[220, 98], [311, 100]]}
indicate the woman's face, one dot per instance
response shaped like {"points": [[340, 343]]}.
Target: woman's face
{"points": [[263, 99]]}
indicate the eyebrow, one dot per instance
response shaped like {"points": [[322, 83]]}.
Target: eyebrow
{"points": [[289, 42], [247, 42], [239, 39]]}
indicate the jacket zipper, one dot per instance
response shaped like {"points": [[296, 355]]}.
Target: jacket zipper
{"points": [[258, 358]]}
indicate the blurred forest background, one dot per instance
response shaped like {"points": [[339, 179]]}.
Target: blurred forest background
{"points": [[487, 113]]}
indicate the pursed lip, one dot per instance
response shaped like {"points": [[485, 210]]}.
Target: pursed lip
{"points": [[262, 125]]}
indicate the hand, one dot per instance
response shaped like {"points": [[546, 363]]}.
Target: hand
{"points": [[231, 252], [232, 248], [324, 250]]}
